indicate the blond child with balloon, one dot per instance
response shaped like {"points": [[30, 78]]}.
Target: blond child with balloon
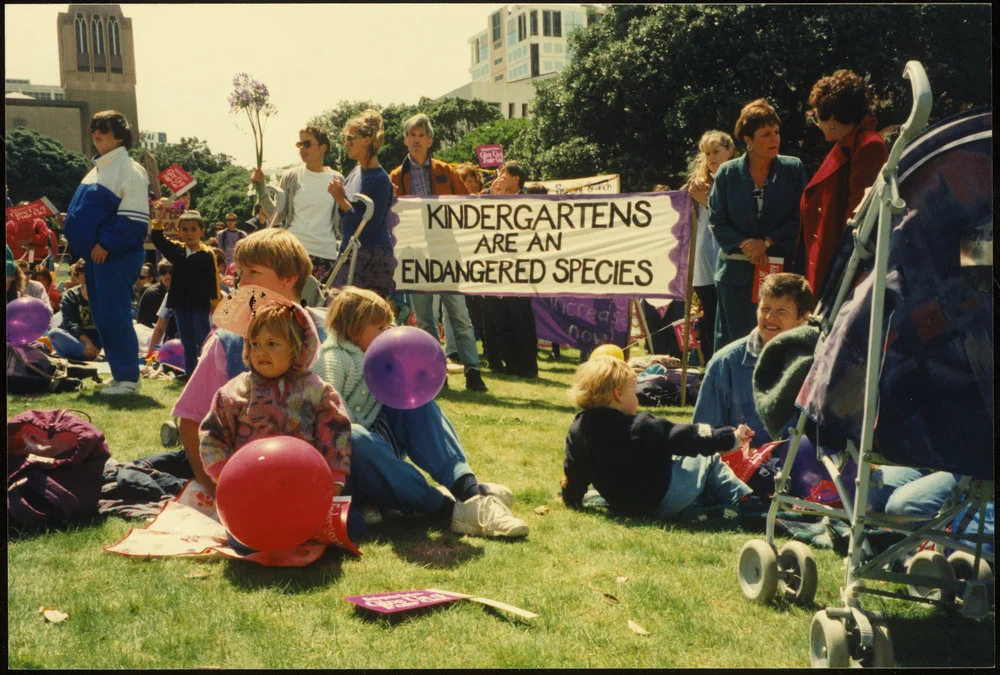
{"points": [[640, 464]]}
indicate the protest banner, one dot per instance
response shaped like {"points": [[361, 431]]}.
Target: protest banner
{"points": [[177, 179], [582, 322], [544, 245], [489, 156], [603, 184], [40, 208]]}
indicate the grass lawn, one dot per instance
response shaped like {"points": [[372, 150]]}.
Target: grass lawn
{"points": [[585, 574]]}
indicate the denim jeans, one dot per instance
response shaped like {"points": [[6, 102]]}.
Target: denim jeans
{"points": [[192, 328], [700, 481], [455, 312], [906, 491], [430, 441]]}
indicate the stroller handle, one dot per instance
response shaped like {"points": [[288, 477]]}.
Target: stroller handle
{"points": [[921, 111]]}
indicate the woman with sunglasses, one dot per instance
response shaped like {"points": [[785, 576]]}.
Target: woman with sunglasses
{"points": [[363, 136], [309, 211], [106, 224], [839, 106]]}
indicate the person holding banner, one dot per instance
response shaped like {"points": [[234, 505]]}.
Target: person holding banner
{"points": [[714, 148], [420, 174], [309, 211], [838, 105], [754, 215], [107, 220], [364, 134]]}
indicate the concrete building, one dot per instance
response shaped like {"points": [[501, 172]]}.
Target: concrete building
{"points": [[148, 140], [521, 44], [96, 72]]}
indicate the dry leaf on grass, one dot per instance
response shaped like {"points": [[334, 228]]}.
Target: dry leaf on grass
{"points": [[636, 628], [621, 580], [610, 598], [53, 615], [198, 574], [542, 510]]}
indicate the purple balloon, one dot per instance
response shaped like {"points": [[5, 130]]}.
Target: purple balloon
{"points": [[27, 320], [171, 354], [405, 367]]}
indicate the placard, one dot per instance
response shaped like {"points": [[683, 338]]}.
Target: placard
{"points": [[490, 156], [604, 184], [40, 208], [177, 179], [772, 266]]}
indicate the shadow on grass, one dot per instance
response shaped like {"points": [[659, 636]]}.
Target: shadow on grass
{"points": [[249, 576], [943, 640], [130, 402], [397, 618], [502, 402], [422, 542]]}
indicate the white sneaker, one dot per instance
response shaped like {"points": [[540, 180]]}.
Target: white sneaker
{"points": [[501, 492], [120, 389], [486, 516], [105, 385], [371, 514]]}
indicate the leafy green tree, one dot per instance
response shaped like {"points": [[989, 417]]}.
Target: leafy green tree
{"points": [[515, 135], [39, 166], [646, 80]]}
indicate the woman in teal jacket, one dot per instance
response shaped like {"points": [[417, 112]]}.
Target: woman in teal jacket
{"points": [[754, 207]]}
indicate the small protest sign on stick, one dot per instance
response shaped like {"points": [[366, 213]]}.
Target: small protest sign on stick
{"points": [[405, 601], [177, 179]]}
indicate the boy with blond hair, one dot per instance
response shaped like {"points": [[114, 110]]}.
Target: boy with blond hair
{"points": [[640, 464]]}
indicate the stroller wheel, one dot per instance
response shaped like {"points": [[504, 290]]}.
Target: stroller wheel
{"points": [[169, 434], [882, 655], [758, 571], [931, 564], [828, 642], [797, 575], [963, 563]]}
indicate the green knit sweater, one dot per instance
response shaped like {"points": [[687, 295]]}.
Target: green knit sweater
{"points": [[341, 364]]}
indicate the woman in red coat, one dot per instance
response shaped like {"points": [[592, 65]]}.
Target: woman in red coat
{"points": [[838, 105]]}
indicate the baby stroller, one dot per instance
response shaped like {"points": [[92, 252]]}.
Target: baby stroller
{"points": [[902, 375]]}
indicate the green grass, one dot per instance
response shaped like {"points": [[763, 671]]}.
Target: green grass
{"points": [[681, 583]]}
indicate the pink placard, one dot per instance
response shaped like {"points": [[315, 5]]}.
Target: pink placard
{"points": [[490, 156], [40, 208], [177, 179], [761, 272], [404, 601]]}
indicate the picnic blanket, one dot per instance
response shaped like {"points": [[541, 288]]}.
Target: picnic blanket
{"points": [[189, 525]]}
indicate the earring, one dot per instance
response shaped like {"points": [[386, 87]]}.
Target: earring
{"points": [[749, 147]]}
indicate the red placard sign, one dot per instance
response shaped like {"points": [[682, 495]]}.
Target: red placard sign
{"points": [[490, 156], [177, 179], [40, 208], [760, 272]]}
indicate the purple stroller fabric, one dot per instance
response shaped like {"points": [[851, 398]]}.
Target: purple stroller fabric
{"points": [[935, 403]]}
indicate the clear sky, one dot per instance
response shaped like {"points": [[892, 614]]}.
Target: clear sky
{"points": [[310, 56]]}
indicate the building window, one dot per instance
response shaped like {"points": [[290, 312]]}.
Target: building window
{"points": [[534, 60], [495, 24], [498, 77], [534, 23], [524, 110], [81, 35], [547, 47], [58, 96], [522, 28], [41, 95], [510, 111], [556, 24], [547, 23], [114, 37], [475, 51], [97, 28], [497, 62]]}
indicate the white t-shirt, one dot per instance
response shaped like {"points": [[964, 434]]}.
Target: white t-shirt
{"points": [[313, 214]]}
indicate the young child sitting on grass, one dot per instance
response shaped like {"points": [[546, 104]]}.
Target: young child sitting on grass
{"points": [[382, 436], [279, 395], [643, 465]]}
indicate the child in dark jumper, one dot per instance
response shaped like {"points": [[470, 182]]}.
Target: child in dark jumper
{"points": [[640, 464]]}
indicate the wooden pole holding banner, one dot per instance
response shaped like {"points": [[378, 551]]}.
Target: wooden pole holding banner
{"points": [[688, 290]]}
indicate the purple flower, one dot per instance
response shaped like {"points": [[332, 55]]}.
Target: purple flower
{"points": [[252, 97]]}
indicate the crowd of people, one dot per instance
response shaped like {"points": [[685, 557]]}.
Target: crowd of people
{"points": [[750, 209]]}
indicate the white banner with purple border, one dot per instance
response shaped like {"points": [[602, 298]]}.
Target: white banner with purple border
{"points": [[547, 245]]}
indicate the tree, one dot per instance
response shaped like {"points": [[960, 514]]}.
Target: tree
{"points": [[39, 166], [515, 135], [646, 80]]}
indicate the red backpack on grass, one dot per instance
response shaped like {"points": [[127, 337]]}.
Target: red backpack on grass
{"points": [[55, 462]]}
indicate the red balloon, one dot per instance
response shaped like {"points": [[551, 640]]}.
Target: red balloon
{"points": [[274, 493]]}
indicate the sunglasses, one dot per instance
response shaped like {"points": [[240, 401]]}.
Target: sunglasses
{"points": [[304, 144], [350, 139]]}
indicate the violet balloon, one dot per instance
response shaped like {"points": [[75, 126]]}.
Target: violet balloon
{"points": [[405, 367], [171, 353], [27, 320]]}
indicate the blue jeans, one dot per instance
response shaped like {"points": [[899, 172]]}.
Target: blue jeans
{"points": [[702, 480], [192, 328], [457, 314], [109, 287], [429, 439], [884, 481], [69, 347]]}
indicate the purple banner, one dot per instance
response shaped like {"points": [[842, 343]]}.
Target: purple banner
{"points": [[582, 321]]}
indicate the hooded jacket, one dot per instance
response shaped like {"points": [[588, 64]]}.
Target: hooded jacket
{"points": [[298, 403]]}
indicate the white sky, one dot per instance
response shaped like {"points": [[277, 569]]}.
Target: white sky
{"points": [[310, 56]]}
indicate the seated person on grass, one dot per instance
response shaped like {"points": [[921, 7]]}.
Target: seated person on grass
{"points": [[278, 396], [643, 465]]}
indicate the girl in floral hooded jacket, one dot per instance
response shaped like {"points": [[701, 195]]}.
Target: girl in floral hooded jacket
{"points": [[279, 395]]}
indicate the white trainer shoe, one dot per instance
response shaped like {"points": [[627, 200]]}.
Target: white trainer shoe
{"points": [[122, 388], [487, 516], [502, 492]]}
